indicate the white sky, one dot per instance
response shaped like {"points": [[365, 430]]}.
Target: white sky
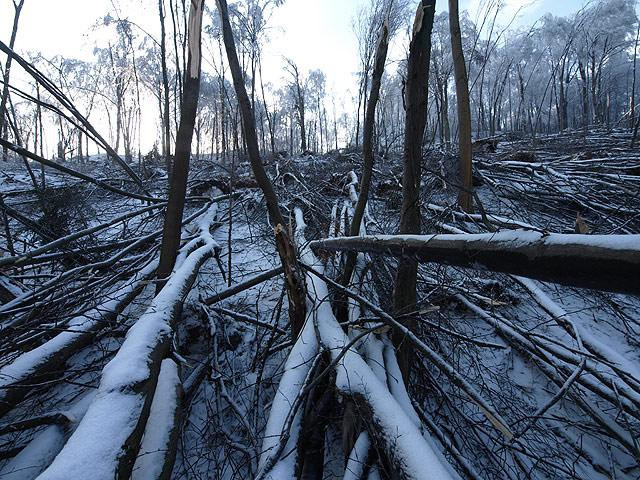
{"points": [[314, 33]]}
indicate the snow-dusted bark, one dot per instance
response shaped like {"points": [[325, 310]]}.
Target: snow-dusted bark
{"points": [[284, 424], [156, 456], [411, 455], [605, 262]]}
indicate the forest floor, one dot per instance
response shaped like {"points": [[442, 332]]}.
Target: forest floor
{"points": [[502, 333]]}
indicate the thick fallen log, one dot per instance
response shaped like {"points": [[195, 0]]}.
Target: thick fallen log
{"points": [[602, 262], [158, 449]]}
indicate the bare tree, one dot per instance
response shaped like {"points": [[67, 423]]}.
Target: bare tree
{"points": [[7, 70], [368, 157], [464, 110], [166, 144], [178, 188], [284, 244], [404, 294], [298, 91]]}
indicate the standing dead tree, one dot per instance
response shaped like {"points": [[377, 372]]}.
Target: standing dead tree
{"points": [[369, 123], [404, 294], [284, 244], [180, 169], [298, 91], [464, 110]]}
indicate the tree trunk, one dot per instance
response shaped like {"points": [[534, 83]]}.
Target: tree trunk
{"points": [[465, 199], [293, 277], [7, 73], [367, 146], [166, 145], [404, 294], [632, 115], [602, 262], [178, 188]]}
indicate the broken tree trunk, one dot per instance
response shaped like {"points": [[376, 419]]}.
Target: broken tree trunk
{"points": [[602, 262], [180, 172], [404, 293], [293, 278]]}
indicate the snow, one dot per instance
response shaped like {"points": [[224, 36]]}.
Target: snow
{"points": [[40, 451], [407, 448], [35, 457], [162, 417], [296, 370], [358, 457], [593, 344]]}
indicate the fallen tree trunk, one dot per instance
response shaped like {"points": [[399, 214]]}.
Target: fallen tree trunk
{"points": [[82, 122], [158, 448], [602, 262]]}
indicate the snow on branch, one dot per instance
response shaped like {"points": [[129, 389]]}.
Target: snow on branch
{"points": [[604, 262], [33, 366], [411, 454]]}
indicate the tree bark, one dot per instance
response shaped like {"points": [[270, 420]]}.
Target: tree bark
{"points": [[367, 146], [166, 146], [465, 199], [404, 294], [602, 262], [180, 172], [293, 278]]}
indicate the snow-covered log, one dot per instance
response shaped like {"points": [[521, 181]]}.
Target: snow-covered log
{"points": [[157, 451], [411, 455], [603, 262]]}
